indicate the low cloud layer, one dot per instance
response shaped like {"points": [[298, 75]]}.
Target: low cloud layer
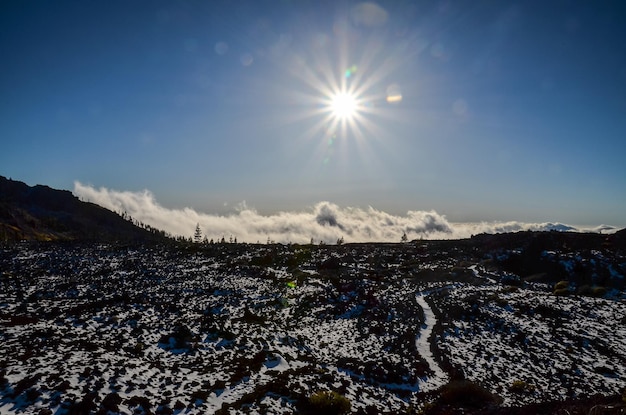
{"points": [[325, 221]]}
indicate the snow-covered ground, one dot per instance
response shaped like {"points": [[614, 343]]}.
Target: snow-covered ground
{"points": [[258, 329], [557, 346]]}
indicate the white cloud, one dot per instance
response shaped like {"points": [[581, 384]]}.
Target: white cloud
{"points": [[325, 221]]}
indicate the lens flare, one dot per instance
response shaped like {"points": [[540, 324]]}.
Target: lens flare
{"points": [[394, 94], [350, 71]]}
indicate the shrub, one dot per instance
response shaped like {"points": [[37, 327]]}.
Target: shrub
{"points": [[598, 291], [561, 291], [466, 394], [520, 386], [329, 402], [561, 285]]}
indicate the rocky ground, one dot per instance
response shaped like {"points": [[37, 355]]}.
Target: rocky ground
{"points": [[235, 328]]}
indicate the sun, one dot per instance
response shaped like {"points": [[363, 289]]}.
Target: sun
{"points": [[344, 105], [340, 99]]}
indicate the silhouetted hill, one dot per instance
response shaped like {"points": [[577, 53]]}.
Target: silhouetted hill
{"points": [[618, 239], [41, 213]]}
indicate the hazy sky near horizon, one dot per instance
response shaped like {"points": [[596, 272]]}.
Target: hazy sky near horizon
{"points": [[479, 110]]}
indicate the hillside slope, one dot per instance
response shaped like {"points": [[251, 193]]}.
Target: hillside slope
{"points": [[40, 213]]}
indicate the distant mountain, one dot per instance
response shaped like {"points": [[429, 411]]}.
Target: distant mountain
{"points": [[41, 213]]}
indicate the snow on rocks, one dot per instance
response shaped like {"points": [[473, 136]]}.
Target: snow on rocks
{"points": [[560, 347], [258, 329]]}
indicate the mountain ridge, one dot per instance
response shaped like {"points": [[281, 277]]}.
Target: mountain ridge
{"points": [[41, 213]]}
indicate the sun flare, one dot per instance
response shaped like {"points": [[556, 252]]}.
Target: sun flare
{"points": [[343, 105], [344, 96]]}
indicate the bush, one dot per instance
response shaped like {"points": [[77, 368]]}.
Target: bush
{"points": [[562, 291], [561, 285], [520, 386], [329, 402], [466, 394], [596, 291]]}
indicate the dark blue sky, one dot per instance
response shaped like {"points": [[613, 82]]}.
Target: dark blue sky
{"points": [[509, 110]]}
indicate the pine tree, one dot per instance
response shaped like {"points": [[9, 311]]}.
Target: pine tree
{"points": [[197, 235]]}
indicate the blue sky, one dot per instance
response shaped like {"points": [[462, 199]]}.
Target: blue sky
{"points": [[508, 110]]}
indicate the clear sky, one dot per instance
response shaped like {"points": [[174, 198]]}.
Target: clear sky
{"points": [[480, 110]]}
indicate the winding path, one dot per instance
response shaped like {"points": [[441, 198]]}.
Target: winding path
{"points": [[477, 274], [423, 339], [422, 343]]}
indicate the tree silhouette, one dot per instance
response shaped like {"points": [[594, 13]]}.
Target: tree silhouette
{"points": [[197, 235]]}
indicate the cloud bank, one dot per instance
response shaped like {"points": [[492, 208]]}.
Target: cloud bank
{"points": [[325, 221]]}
